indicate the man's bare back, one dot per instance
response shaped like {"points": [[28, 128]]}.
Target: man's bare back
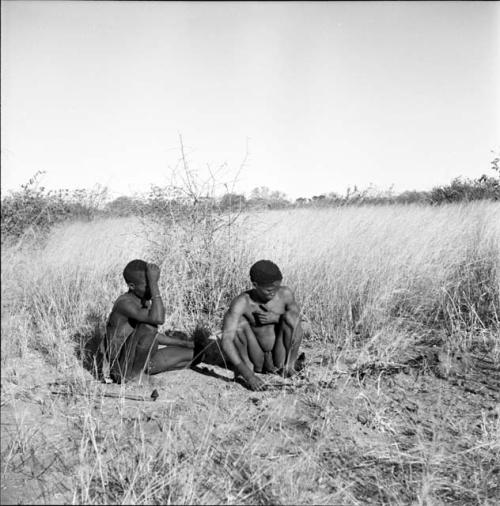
{"points": [[118, 323]]}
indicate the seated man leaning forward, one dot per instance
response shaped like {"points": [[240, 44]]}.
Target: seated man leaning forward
{"points": [[132, 337], [261, 330]]}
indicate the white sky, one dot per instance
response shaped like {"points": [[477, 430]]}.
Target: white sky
{"points": [[326, 95]]}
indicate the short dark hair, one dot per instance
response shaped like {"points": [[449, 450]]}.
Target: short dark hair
{"points": [[265, 272], [133, 268]]}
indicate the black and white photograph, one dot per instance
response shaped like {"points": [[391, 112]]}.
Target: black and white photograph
{"points": [[250, 252]]}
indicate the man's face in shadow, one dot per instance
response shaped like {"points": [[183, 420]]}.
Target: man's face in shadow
{"points": [[139, 286]]}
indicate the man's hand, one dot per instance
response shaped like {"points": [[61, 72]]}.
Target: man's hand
{"points": [[265, 316], [152, 273], [249, 376]]}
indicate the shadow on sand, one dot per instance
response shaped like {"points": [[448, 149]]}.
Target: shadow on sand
{"points": [[88, 347], [89, 350], [210, 372]]}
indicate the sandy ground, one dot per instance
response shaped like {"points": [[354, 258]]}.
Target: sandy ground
{"points": [[333, 425]]}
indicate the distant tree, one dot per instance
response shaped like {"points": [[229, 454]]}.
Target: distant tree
{"points": [[262, 196], [301, 201], [278, 200], [460, 189], [463, 189], [124, 206], [260, 193], [88, 203], [277, 195], [232, 201], [412, 197], [495, 164], [333, 196]]}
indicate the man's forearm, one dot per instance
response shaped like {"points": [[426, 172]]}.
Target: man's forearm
{"points": [[291, 318], [234, 357], [157, 311]]}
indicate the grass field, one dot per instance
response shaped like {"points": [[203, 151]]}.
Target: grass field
{"points": [[370, 422]]}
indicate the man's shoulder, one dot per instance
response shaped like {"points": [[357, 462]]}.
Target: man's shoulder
{"points": [[243, 296], [241, 299], [285, 291], [285, 294], [125, 299]]}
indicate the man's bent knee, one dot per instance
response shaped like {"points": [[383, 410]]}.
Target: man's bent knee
{"points": [[146, 334], [243, 325]]}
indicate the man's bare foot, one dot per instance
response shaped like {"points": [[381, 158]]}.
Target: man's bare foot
{"points": [[270, 370], [269, 367], [288, 372]]}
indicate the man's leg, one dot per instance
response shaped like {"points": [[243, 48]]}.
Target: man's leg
{"points": [[170, 358], [146, 346], [177, 353], [269, 367], [210, 351], [248, 347], [141, 354], [286, 348]]}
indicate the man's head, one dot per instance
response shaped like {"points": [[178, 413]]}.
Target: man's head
{"points": [[266, 278], [136, 279]]}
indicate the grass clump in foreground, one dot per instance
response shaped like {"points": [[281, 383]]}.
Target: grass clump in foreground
{"points": [[373, 283]]}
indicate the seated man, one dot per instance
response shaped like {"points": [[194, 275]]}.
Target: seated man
{"points": [[261, 330], [132, 338]]}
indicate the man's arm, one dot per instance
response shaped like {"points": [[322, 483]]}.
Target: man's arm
{"points": [[292, 310], [132, 310], [291, 318], [229, 329], [157, 309], [265, 316], [155, 314]]}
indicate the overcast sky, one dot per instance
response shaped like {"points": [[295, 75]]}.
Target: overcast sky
{"points": [[322, 95]]}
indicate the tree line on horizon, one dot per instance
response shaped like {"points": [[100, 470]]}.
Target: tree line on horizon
{"points": [[33, 207]]}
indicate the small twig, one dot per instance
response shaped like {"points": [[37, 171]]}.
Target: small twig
{"points": [[153, 397]]}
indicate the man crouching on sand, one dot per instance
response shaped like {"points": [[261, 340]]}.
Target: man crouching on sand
{"points": [[261, 330], [132, 337]]}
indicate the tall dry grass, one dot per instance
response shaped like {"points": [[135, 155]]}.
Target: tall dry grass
{"points": [[359, 274], [369, 280]]}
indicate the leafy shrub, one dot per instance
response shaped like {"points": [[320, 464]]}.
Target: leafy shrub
{"points": [[233, 202], [124, 206], [35, 208], [459, 190], [190, 229]]}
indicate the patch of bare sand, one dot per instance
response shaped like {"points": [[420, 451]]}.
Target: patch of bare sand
{"points": [[29, 430], [328, 436]]}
